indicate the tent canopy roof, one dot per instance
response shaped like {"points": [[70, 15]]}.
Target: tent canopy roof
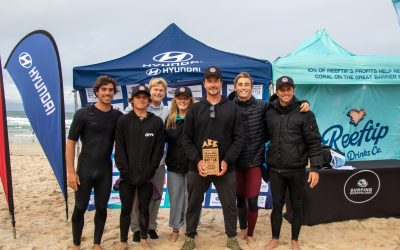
{"points": [[175, 56], [320, 60], [320, 44]]}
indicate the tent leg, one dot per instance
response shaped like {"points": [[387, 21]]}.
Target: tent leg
{"points": [[78, 150]]}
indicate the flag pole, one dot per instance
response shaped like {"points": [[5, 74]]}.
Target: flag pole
{"points": [[10, 195], [63, 137]]}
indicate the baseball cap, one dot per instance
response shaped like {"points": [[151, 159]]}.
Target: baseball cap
{"points": [[212, 71], [183, 90], [140, 89], [284, 80]]}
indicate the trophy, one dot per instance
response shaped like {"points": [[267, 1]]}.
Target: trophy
{"points": [[211, 157]]}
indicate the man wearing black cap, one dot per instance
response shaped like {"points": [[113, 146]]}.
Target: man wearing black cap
{"points": [[214, 120], [139, 143], [294, 138]]}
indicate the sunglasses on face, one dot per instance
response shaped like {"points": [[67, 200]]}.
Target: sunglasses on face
{"points": [[212, 111]]}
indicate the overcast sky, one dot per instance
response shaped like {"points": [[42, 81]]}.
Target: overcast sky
{"points": [[93, 31]]}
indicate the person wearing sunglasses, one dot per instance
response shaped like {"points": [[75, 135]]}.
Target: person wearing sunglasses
{"points": [[214, 119]]}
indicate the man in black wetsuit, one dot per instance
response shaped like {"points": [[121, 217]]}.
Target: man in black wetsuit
{"points": [[95, 126]]}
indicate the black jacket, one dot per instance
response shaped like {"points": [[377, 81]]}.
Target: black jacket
{"points": [[226, 128], [294, 137], [252, 113], [139, 146], [176, 160]]}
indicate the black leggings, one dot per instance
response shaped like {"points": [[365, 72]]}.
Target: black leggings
{"points": [[294, 181], [100, 181], [126, 194]]}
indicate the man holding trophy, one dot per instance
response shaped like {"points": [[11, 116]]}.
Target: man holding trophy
{"points": [[212, 140]]}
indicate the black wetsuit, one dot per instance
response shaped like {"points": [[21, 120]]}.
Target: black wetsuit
{"points": [[96, 129]]}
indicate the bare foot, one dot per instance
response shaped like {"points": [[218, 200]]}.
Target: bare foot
{"points": [[123, 246], [75, 247], [295, 245], [251, 242], [272, 244], [145, 244], [97, 247], [174, 236], [243, 234]]}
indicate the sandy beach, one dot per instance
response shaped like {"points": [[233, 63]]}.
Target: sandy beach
{"points": [[41, 221]]}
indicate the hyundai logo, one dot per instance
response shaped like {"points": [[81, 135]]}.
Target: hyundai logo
{"points": [[25, 60], [173, 56], [362, 183], [153, 72]]}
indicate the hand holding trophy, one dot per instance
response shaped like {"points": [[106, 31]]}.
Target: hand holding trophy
{"points": [[210, 157]]}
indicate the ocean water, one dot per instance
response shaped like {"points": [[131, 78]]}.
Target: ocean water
{"points": [[20, 130]]}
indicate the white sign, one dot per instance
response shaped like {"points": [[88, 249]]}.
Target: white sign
{"points": [[261, 200], [264, 186], [196, 91], [214, 200], [91, 97], [257, 90]]}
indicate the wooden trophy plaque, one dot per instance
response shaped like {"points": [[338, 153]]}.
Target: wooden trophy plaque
{"points": [[211, 157]]}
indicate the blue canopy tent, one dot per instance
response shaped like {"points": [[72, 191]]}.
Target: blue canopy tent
{"points": [[355, 98], [180, 60]]}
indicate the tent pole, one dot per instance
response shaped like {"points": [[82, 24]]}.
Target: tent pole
{"points": [[78, 149], [271, 88]]}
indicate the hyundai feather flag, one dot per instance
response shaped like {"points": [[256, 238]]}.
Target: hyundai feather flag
{"points": [[396, 4], [5, 169], [34, 66]]}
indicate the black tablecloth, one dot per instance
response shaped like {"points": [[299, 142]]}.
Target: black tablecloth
{"points": [[371, 190]]}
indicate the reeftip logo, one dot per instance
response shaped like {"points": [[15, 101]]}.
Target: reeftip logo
{"points": [[25, 60], [356, 116]]}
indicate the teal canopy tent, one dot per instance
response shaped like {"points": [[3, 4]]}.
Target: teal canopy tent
{"points": [[355, 98]]}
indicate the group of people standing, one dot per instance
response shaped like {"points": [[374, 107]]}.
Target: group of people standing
{"points": [[239, 125]]}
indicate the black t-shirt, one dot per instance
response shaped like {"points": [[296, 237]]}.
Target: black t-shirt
{"points": [[96, 129]]}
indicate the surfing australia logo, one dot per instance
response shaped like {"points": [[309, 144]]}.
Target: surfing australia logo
{"points": [[365, 134], [362, 186]]}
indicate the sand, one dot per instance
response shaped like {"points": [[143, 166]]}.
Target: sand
{"points": [[41, 222]]}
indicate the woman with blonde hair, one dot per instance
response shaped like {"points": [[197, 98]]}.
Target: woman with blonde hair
{"points": [[176, 161]]}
